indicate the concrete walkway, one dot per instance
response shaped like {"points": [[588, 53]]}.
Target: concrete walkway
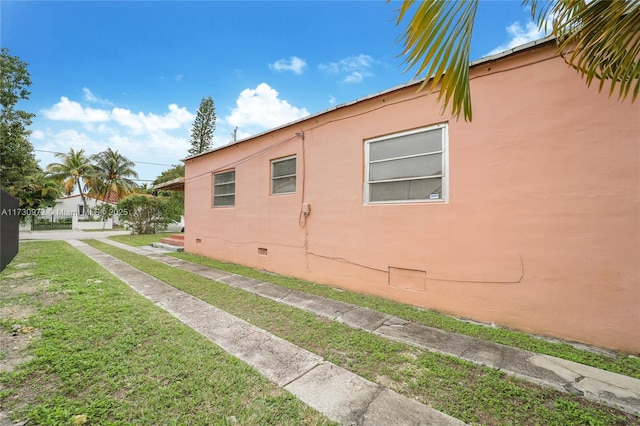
{"points": [[566, 376], [68, 234], [335, 392]]}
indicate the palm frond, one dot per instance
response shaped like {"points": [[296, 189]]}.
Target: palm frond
{"points": [[600, 39], [437, 41]]}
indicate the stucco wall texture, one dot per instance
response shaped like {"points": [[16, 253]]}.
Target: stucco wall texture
{"points": [[540, 232]]}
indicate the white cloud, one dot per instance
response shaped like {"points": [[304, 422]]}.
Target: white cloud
{"points": [[140, 136], [294, 64], [62, 140], [149, 123], [262, 108], [354, 77], [89, 96], [158, 147], [332, 100], [67, 110], [354, 68], [37, 134], [179, 77], [520, 35]]}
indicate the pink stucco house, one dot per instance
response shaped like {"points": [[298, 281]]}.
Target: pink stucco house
{"points": [[528, 217]]}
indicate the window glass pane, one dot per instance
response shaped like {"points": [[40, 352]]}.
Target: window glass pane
{"points": [[224, 200], [283, 185], [224, 177], [224, 188], [285, 167], [416, 143], [227, 188], [419, 189], [427, 165]]}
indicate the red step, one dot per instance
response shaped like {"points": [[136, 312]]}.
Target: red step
{"points": [[174, 240]]}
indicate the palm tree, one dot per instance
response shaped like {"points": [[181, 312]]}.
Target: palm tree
{"points": [[599, 38], [74, 172], [41, 192], [113, 175]]}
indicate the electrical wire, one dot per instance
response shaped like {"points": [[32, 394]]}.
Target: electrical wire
{"points": [[303, 218], [137, 162]]}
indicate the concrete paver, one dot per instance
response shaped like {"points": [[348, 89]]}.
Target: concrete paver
{"points": [[563, 375], [337, 393]]}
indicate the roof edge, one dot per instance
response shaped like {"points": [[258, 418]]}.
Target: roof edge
{"points": [[472, 64]]}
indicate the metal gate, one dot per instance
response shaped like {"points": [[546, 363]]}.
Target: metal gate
{"points": [[46, 224]]}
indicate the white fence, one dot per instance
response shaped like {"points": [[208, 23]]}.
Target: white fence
{"points": [[77, 224]]}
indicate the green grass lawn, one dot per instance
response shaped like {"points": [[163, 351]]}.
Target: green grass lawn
{"points": [[621, 363], [141, 240], [102, 351], [470, 392]]}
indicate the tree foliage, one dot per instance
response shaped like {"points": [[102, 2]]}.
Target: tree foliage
{"points": [[203, 127], [20, 174], [599, 38], [74, 171], [17, 162], [40, 192], [145, 214], [175, 199], [113, 174]]}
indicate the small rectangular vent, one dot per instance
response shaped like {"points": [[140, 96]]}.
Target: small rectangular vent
{"points": [[262, 251], [198, 240], [408, 279]]}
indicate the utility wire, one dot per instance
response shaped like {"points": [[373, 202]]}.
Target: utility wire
{"points": [[137, 162]]}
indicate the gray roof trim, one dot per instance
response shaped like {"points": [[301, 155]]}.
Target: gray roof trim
{"points": [[472, 64]]}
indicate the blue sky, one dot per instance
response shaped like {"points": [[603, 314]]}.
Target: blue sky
{"points": [[130, 75]]}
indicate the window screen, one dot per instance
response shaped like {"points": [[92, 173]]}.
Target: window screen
{"points": [[408, 166], [283, 176], [224, 189]]}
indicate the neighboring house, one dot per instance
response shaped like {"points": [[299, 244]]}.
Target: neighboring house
{"points": [[72, 206], [528, 217]]}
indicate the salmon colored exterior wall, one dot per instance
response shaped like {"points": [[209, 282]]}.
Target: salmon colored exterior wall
{"points": [[541, 231]]}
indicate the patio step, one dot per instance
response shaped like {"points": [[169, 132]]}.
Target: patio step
{"points": [[174, 240]]}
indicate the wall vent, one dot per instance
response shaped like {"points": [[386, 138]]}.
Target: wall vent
{"points": [[262, 251], [408, 279]]}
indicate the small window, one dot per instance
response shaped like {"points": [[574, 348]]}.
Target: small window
{"points": [[80, 209], [224, 189], [283, 176], [407, 167]]}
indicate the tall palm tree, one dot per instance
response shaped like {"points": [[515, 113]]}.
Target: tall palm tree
{"points": [[113, 175], [599, 38], [74, 171]]}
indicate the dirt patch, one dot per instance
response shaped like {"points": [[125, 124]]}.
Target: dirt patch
{"points": [[18, 288], [16, 308], [16, 312], [23, 285], [21, 274], [13, 344], [24, 265]]}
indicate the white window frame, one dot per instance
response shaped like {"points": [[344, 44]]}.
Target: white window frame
{"points": [[445, 165], [279, 160], [213, 189]]}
